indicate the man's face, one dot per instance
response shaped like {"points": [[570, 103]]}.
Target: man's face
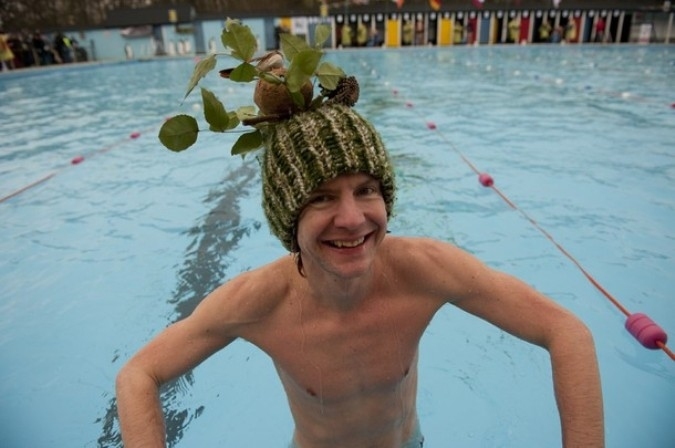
{"points": [[342, 225]]}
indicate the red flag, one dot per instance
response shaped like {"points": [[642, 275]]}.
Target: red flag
{"points": [[478, 3], [399, 3], [435, 4]]}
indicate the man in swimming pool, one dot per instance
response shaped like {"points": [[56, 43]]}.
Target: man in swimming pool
{"points": [[343, 316]]}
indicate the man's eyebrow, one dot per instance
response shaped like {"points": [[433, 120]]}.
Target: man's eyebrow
{"points": [[369, 182], [319, 190]]}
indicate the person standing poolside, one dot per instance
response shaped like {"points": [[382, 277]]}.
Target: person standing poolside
{"points": [[545, 31], [342, 317], [6, 53], [600, 29], [514, 30]]}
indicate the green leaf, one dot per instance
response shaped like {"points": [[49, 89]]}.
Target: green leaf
{"points": [[321, 34], [316, 103], [291, 45], [240, 40], [179, 133], [298, 99], [245, 112], [329, 75], [247, 142], [244, 72], [302, 68], [214, 112], [270, 77], [202, 68], [233, 120]]}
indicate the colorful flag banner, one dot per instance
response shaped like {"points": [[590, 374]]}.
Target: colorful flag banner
{"points": [[435, 4]]}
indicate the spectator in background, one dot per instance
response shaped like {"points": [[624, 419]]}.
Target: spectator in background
{"points": [[514, 30], [571, 31], [63, 48], [361, 34], [16, 45], [346, 35], [279, 29], [458, 33], [545, 31], [600, 29], [408, 32], [40, 49], [375, 39], [6, 53]]}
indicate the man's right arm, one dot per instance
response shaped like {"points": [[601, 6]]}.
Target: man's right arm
{"points": [[218, 320], [214, 324], [139, 410], [176, 350]]}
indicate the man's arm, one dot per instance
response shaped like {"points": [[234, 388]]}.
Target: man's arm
{"points": [[173, 352], [578, 391], [519, 309], [214, 324]]}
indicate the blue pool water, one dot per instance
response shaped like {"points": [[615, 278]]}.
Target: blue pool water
{"points": [[100, 256]]}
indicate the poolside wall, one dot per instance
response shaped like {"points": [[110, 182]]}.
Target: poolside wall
{"points": [[394, 29]]}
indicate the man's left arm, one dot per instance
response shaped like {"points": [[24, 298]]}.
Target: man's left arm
{"points": [[519, 309]]}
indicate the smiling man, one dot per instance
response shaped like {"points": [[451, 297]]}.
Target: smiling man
{"points": [[343, 317]]}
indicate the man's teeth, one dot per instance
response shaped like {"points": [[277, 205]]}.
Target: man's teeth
{"points": [[349, 243]]}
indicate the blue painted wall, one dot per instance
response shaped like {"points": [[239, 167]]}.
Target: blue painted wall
{"points": [[111, 45]]}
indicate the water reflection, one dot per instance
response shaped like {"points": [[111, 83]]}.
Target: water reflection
{"points": [[202, 271]]}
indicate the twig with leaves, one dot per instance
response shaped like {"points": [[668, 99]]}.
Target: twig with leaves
{"points": [[280, 91]]}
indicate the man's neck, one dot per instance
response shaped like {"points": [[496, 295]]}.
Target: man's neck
{"points": [[336, 293]]}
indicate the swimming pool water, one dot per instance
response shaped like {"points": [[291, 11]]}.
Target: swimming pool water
{"points": [[104, 254]]}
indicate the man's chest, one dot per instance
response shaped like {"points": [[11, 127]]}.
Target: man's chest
{"points": [[353, 355]]}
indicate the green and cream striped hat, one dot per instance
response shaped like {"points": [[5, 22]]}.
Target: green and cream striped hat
{"points": [[311, 148]]}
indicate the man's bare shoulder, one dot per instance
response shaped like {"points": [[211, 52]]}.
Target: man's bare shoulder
{"points": [[252, 295], [405, 251], [430, 265]]}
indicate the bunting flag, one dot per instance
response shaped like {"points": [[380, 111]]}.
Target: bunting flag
{"points": [[435, 4], [478, 3], [399, 3]]}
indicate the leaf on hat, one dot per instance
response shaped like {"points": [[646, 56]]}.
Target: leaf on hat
{"points": [[202, 68], [292, 45], [321, 35], [298, 99], [240, 40], [179, 133], [329, 75], [270, 77], [302, 68], [304, 63], [247, 142], [246, 112], [214, 112], [244, 72]]}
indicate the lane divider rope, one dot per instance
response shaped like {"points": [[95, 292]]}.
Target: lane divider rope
{"points": [[639, 325], [75, 161]]}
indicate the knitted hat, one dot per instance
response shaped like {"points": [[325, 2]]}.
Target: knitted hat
{"points": [[313, 147]]}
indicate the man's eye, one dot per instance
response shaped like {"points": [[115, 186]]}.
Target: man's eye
{"points": [[319, 199], [367, 191]]}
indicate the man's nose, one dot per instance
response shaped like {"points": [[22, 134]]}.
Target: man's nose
{"points": [[348, 214]]}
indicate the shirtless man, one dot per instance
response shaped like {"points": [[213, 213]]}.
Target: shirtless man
{"points": [[343, 317]]}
